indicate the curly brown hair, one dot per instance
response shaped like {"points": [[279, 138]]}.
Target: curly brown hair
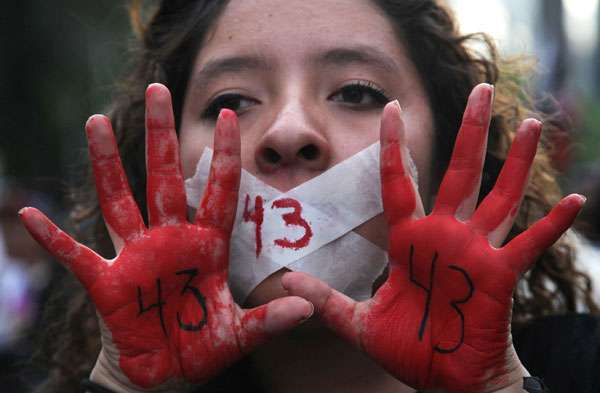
{"points": [[448, 68]]}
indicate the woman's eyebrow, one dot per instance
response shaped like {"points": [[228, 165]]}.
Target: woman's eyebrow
{"points": [[359, 54], [337, 57], [234, 64]]}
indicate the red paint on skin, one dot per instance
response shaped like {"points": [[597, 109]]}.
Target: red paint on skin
{"points": [[514, 211], [254, 334], [153, 346], [152, 350], [256, 217], [191, 355], [164, 298], [393, 176], [144, 350], [504, 199], [293, 219], [109, 177], [223, 181], [464, 172], [114, 193], [165, 182], [391, 329], [442, 319]]}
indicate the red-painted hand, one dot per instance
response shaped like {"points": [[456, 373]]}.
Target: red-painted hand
{"points": [[165, 309], [442, 318]]}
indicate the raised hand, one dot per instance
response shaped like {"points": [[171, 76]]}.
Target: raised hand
{"points": [[166, 314], [442, 318]]}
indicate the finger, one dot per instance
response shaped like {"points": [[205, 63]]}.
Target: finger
{"points": [[522, 252], [274, 318], [460, 186], [85, 264], [336, 309], [219, 200], [498, 210], [400, 200], [165, 190], [120, 211]]}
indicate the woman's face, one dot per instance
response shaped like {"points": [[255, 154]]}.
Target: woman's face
{"points": [[308, 80]]}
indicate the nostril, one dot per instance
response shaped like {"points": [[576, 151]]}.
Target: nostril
{"points": [[271, 156], [309, 152]]}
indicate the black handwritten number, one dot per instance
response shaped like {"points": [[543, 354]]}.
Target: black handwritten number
{"points": [[158, 304], [462, 317], [453, 303], [428, 290], [201, 299]]}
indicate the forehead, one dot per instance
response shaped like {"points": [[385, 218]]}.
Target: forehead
{"points": [[292, 26]]}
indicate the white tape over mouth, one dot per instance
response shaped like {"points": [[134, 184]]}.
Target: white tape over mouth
{"points": [[307, 229]]}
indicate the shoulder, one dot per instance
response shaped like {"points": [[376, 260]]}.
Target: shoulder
{"points": [[564, 350]]}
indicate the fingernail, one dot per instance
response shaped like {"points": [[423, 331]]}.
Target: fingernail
{"points": [[307, 317], [226, 113], [284, 286]]}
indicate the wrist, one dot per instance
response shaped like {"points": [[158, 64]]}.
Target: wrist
{"points": [[104, 375], [515, 385], [112, 378], [512, 380]]}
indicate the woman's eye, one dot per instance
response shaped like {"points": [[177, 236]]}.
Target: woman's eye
{"points": [[361, 95], [235, 102]]}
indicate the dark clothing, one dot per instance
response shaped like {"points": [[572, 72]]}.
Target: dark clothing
{"points": [[562, 350], [240, 378]]}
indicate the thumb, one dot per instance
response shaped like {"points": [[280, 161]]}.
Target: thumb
{"points": [[343, 314], [274, 318]]}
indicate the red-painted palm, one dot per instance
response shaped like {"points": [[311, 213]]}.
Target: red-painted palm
{"points": [[166, 314], [442, 318]]}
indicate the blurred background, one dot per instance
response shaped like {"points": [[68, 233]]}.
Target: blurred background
{"points": [[59, 63]]}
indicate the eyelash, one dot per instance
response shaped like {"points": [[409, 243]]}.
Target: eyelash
{"points": [[378, 95], [228, 100], [233, 101]]}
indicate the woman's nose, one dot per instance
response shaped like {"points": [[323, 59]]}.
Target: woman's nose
{"points": [[293, 140]]}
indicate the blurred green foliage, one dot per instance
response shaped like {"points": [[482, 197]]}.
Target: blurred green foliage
{"points": [[587, 142]]}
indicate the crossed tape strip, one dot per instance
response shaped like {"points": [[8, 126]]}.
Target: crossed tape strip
{"points": [[308, 228]]}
